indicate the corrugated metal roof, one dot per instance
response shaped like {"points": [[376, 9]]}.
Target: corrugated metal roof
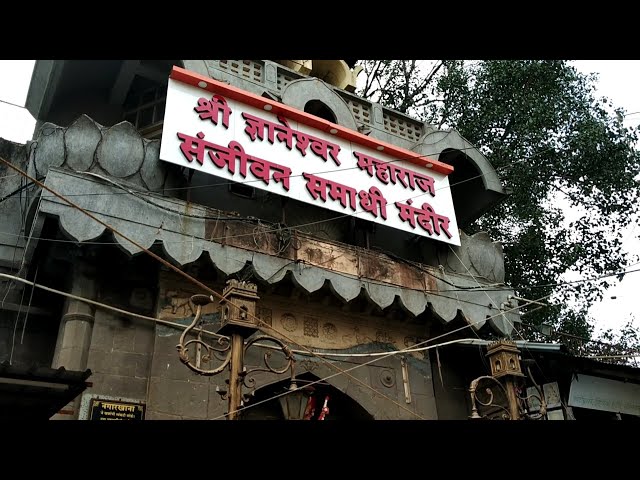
{"points": [[533, 346]]}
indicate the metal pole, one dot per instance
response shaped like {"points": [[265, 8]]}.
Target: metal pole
{"points": [[514, 410], [235, 379]]}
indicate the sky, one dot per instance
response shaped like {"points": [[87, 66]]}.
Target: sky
{"points": [[617, 79], [16, 124]]}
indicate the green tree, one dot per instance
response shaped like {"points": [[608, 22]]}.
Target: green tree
{"points": [[622, 347], [555, 145]]}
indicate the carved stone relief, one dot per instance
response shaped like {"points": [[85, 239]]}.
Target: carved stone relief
{"points": [[289, 322]]}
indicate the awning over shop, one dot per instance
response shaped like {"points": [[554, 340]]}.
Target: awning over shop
{"points": [[37, 393]]}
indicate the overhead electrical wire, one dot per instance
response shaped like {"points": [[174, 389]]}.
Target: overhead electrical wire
{"points": [[568, 283], [277, 228], [613, 357], [325, 220], [378, 358], [193, 279], [248, 182], [378, 355], [351, 277], [129, 191], [280, 229], [328, 171], [515, 329], [180, 326], [196, 281], [312, 352], [426, 156], [506, 319], [459, 289], [12, 104]]}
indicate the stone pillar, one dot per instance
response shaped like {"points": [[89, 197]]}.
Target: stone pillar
{"points": [[76, 326]]}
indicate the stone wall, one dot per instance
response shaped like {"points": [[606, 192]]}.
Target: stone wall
{"points": [[14, 204], [120, 355], [138, 360], [176, 392]]}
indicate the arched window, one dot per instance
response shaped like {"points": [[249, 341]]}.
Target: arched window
{"points": [[319, 109]]}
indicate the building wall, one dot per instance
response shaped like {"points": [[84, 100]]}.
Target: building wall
{"points": [[91, 103], [24, 333], [12, 208], [27, 340], [453, 370], [120, 356], [137, 359]]}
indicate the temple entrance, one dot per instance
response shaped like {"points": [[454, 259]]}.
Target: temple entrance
{"points": [[305, 404]]}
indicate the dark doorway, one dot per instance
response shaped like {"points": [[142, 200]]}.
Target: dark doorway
{"points": [[269, 403]]}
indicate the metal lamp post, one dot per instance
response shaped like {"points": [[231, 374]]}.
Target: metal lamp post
{"points": [[504, 357], [238, 322]]}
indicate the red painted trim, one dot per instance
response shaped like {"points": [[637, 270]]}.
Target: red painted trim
{"points": [[214, 86]]}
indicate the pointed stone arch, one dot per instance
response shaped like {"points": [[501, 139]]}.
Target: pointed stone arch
{"points": [[304, 91], [269, 402], [480, 186]]}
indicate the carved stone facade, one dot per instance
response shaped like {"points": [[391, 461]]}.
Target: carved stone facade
{"points": [[347, 310]]}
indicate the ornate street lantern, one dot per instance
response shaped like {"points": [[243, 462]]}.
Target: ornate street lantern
{"points": [[506, 372], [238, 322], [504, 357], [294, 404], [238, 308]]}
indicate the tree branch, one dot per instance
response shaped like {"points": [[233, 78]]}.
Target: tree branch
{"points": [[434, 70]]}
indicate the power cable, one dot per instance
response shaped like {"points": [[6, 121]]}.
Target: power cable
{"points": [[431, 292], [347, 215], [412, 349], [476, 281], [415, 348], [460, 289], [15, 192], [13, 104], [194, 280], [179, 326], [426, 156], [324, 379], [512, 326]]}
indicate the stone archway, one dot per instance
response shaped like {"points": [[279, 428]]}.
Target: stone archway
{"points": [[268, 403]]}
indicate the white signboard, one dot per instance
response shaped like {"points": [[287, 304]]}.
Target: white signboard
{"points": [[599, 393], [241, 142]]}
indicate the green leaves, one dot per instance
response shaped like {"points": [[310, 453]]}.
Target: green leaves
{"points": [[565, 154]]}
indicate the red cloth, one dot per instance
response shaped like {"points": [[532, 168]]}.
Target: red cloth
{"points": [[325, 409], [310, 410]]}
